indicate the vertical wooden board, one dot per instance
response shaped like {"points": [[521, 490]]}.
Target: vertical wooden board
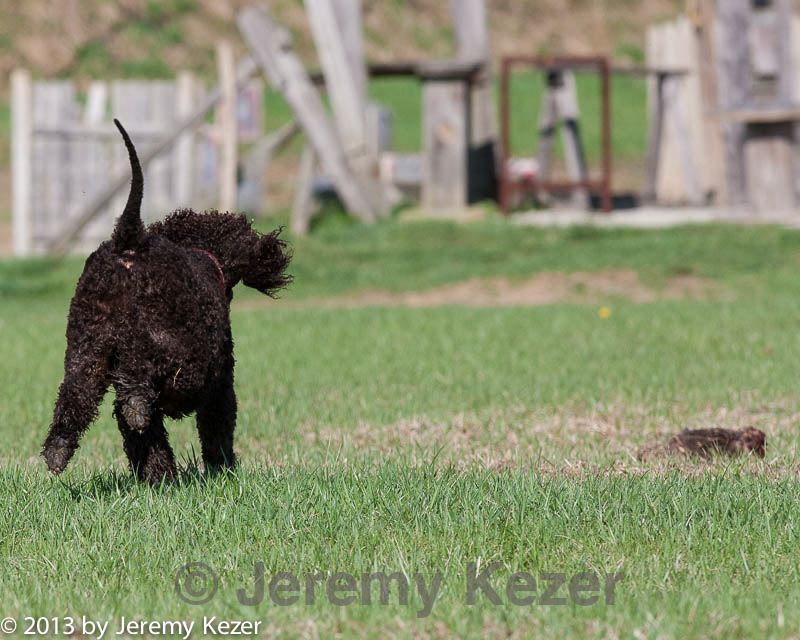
{"points": [[93, 163], [681, 178], [714, 155], [471, 29], [670, 185], [226, 126], [184, 154], [734, 87], [341, 77], [21, 161], [162, 117], [349, 21], [53, 106], [444, 171], [769, 161]]}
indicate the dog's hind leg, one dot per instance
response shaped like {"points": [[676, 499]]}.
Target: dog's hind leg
{"points": [[79, 397], [216, 421], [149, 453]]}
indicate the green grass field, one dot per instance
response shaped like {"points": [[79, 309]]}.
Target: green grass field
{"points": [[421, 439]]}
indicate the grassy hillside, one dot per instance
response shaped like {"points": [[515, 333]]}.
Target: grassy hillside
{"points": [[149, 38]]}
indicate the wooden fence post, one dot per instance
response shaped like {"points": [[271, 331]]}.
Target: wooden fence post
{"points": [[21, 160], [471, 30], [184, 148], [226, 126]]}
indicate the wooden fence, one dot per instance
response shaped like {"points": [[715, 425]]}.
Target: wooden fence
{"points": [[65, 150]]}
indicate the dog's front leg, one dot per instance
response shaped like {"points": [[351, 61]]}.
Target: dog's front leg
{"points": [[79, 397]]}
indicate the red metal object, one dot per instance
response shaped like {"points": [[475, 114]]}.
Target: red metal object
{"points": [[507, 185]]}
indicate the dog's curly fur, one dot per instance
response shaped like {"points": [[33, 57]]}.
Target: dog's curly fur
{"points": [[150, 317]]}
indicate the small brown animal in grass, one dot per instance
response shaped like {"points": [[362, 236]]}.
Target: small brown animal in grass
{"points": [[705, 443]]}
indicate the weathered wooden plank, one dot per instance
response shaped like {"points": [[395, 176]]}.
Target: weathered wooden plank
{"points": [[92, 160], [349, 21], [444, 172], [707, 78], [470, 27], [21, 161], [342, 81], [53, 104], [271, 45], [769, 159], [680, 177], [162, 105], [336, 28], [227, 126], [734, 83], [184, 148]]}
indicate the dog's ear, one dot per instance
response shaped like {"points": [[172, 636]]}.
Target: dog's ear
{"points": [[266, 268]]}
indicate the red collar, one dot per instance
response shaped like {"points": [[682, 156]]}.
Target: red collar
{"points": [[217, 266]]}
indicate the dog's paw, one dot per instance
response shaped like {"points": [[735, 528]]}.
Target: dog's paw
{"points": [[57, 454], [136, 412]]}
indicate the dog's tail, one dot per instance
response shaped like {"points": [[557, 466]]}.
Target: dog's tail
{"points": [[129, 231]]}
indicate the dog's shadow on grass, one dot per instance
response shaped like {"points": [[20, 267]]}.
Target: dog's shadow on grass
{"points": [[101, 485]]}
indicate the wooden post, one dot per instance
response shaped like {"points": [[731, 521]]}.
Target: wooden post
{"points": [[472, 44], [341, 77], [445, 98], [184, 148], [272, 47], [21, 160], [226, 126], [470, 25], [676, 110], [712, 129], [92, 158]]}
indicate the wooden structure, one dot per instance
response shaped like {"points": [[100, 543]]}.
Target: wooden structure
{"points": [[560, 106], [66, 152], [352, 149], [81, 172], [725, 113], [447, 116], [757, 99], [272, 47]]}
